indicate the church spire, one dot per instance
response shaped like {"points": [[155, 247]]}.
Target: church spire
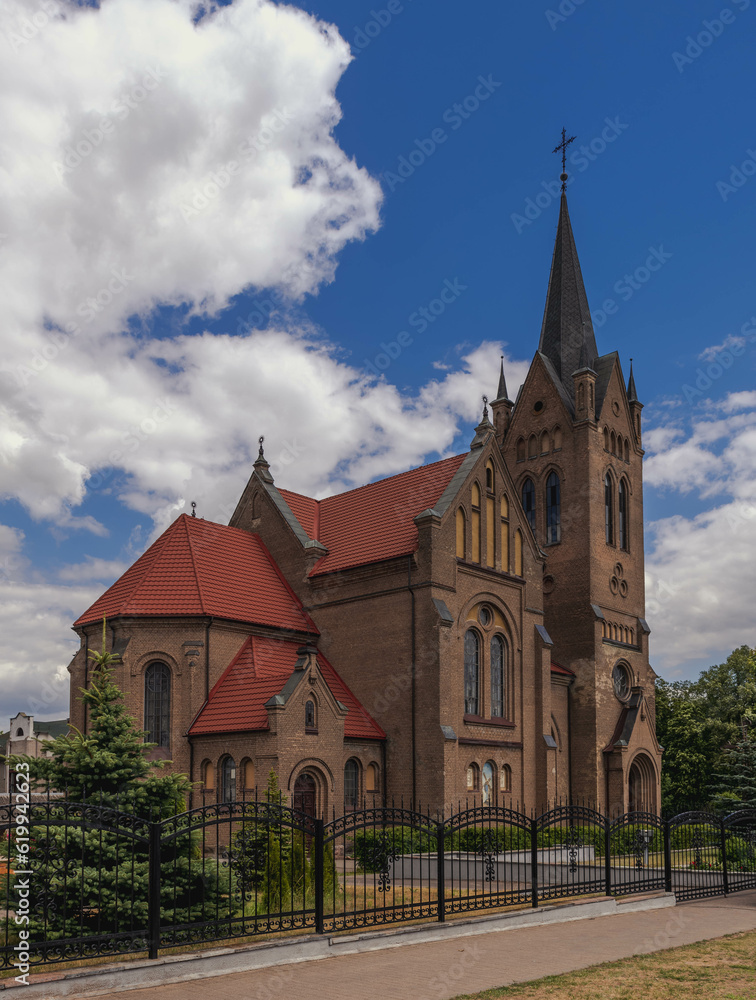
{"points": [[567, 337], [632, 394]]}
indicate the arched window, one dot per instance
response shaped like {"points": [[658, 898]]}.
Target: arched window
{"points": [[475, 522], [518, 552], [489, 776], [532, 446], [557, 439], [627, 450], [553, 510], [473, 778], [157, 704], [247, 774], [545, 445], [460, 533], [489, 476], [19, 732], [208, 775], [311, 718], [606, 439], [372, 778], [472, 670], [528, 502], [622, 498], [609, 509], [228, 779], [505, 778], [497, 677], [505, 533], [351, 785], [614, 444]]}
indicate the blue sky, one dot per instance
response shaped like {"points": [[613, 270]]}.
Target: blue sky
{"points": [[403, 151]]}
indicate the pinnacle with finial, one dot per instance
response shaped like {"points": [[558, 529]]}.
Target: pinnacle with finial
{"points": [[632, 393], [502, 390]]}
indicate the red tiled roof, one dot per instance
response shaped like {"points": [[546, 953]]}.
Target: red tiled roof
{"points": [[258, 672], [374, 522], [197, 567], [556, 668]]}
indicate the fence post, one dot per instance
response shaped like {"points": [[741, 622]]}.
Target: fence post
{"points": [[723, 842], [318, 851], [667, 856], [534, 862], [607, 856], [440, 873], [153, 908]]}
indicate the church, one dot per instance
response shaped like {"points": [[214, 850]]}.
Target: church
{"points": [[471, 631]]}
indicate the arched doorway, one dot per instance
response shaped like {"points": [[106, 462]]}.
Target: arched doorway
{"points": [[641, 785], [305, 795]]}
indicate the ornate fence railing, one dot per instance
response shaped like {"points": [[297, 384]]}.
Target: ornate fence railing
{"points": [[92, 880]]}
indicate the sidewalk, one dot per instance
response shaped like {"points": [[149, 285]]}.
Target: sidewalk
{"points": [[438, 970]]}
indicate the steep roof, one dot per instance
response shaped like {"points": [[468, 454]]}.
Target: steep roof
{"points": [[259, 671], [197, 567], [374, 522], [54, 728], [567, 330]]}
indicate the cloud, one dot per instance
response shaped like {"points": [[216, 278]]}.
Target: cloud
{"points": [[701, 569], [182, 165]]}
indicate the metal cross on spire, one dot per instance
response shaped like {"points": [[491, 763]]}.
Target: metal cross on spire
{"points": [[563, 147]]}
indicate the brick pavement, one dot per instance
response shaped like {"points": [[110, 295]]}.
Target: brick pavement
{"points": [[444, 969]]}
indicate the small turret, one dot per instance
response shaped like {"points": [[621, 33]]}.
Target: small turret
{"points": [[501, 407]]}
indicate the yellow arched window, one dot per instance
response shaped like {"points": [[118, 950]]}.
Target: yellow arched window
{"points": [[545, 448], [518, 552], [371, 778], [208, 775], [247, 773], [490, 531], [505, 533], [475, 522], [557, 439], [461, 525]]}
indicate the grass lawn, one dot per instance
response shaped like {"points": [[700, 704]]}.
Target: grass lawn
{"points": [[722, 969]]}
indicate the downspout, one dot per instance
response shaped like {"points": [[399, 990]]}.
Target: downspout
{"points": [[86, 675], [385, 783], [207, 657], [569, 737], [412, 682], [191, 772]]}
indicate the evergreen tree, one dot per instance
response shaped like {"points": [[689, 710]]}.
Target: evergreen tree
{"points": [[91, 877], [734, 785]]}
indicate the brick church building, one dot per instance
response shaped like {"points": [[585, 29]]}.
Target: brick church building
{"points": [[472, 630]]}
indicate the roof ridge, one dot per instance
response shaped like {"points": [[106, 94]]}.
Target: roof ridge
{"points": [[194, 562], [397, 475]]}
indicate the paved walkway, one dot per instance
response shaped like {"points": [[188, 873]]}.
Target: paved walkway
{"points": [[444, 969]]}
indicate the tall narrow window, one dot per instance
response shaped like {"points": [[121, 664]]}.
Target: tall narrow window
{"points": [[622, 497], [532, 446], [553, 509], [472, 661], [609, 509], [372, 778], [488, 782], [490, 531], [489, 476], [475, 522], [157, 704], [351, 785], [497, 677], [460, 533], [521, 450], [505, 533], [228, 780], [311, 719], [528, 502], [518, 552]]}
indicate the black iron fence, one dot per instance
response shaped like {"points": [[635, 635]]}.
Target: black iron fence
{"points": [[95, 880]]}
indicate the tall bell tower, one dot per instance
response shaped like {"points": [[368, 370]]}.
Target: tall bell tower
{"points": [[572, 441]]}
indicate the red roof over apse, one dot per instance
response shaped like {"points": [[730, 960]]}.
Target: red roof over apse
{"points": [[258, 672], [198, 567], [374, 522]]}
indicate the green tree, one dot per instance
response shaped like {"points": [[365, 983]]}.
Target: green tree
{"points": [[90, 878], [734, 783]]}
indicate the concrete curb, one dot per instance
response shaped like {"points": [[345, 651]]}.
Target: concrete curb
{"points": [[106, 979]]}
